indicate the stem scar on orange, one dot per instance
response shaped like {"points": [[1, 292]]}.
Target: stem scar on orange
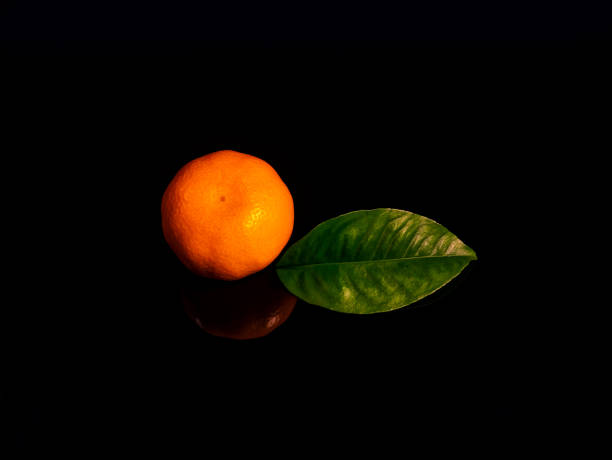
{"points": [[227, 215]]}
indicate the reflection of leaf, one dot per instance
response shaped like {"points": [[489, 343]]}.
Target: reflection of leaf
{"points": [[372, 261]]}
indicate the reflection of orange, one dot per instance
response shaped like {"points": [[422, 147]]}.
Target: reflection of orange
{"points": [[227, 215], [246, 309]]}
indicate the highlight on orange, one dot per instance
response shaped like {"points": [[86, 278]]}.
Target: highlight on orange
{"points": [[227, 215]]}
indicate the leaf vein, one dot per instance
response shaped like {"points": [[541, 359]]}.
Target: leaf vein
{"points": [[357, 262]]}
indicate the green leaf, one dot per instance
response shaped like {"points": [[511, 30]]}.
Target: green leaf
{"points": [[372, 261]]}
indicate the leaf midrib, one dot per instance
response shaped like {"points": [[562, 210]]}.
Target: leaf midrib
{"points": [[359, 262]]}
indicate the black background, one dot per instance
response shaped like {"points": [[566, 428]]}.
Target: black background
{"points": [[472, 118]]}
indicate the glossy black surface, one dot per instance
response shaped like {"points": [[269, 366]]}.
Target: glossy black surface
{"points": [[101, 352]]}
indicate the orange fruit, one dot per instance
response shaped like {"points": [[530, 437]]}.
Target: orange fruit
{"points": [[227, 215]]}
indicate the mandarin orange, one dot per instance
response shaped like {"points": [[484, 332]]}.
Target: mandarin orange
{"points": [[227, 215]]}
